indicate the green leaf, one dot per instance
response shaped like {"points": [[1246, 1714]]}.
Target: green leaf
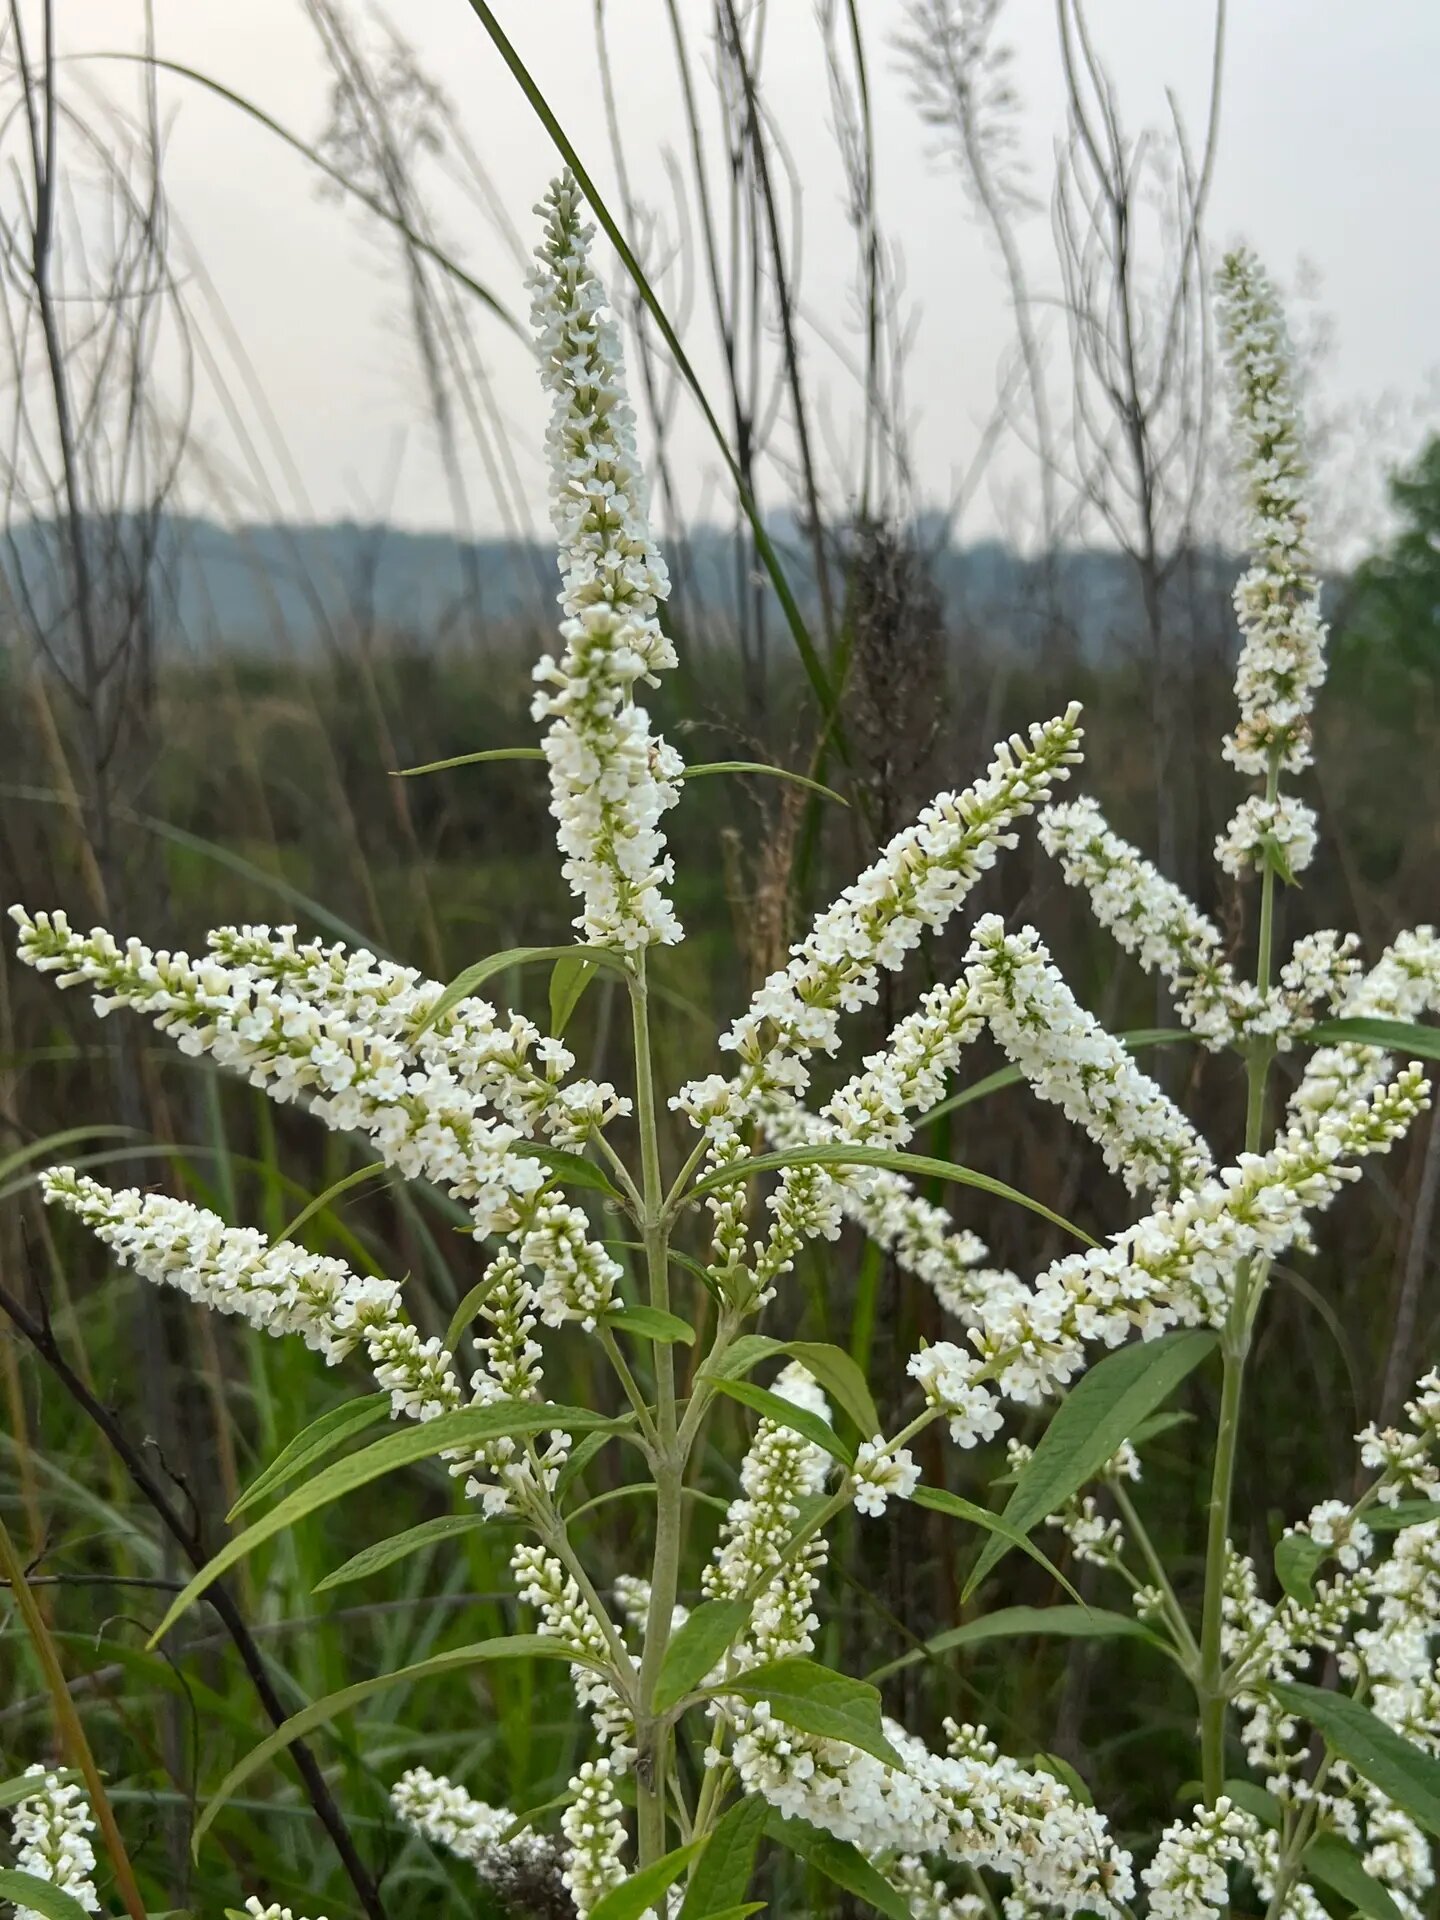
{"points": [[697, 1648], [997, 1525], [1405, 1774], [512, 1646], [468, 760], [41, 1896], [570, 976], [1060, 1769], [384, 1553], [651, 1323], [785, 1413], [12, 1792], [806, 1695], [644, 1892], [1406, 1513], [573, 1168], [840, 1862], [741, 1912], [473, 978], [312, 1445], [1105, 1408], [374, 1171], [1297, 1560], [1335, 1863], [463, 1429], [918, 1166], [466, 1311], [1022, 1623], [1251, 1799], [721, 1877], [831, 1366], [1395, 1036], [763, 766]]}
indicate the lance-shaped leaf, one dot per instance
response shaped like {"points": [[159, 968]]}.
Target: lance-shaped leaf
{"points": [[384, 1553], [831, 1366], [720, 1879], [1025, 1623], [40, 1896], [840, 1862], [816, 1700], [1335, 1864], [462, 1430], [645, 1891], [514, 1646], [1395, 1036], [1105, 1408], [696, 1648], [312, 1445], [1403, 1772], [997, 1525], [918, 1166], [785, 1413], [569, 978], [651, 1323], [473, 978]]}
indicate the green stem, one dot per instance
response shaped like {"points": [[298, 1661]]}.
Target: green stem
{"points": [[1235, 1345], [652, 1732], [1174, 1613]]}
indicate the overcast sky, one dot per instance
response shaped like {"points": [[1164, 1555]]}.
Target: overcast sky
{"points": [[1327, 156]]}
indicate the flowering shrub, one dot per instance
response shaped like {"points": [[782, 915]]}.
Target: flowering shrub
{"points": [[1343, 1781]]}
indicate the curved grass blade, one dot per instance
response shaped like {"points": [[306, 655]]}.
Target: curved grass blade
{"points": [[374, 1171], [763, 766], [468, 760]]}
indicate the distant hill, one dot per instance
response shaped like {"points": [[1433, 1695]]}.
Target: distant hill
{"points": [[277, 587]]}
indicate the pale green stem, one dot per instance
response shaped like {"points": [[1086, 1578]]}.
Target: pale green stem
{"points": [[1155, 1566], [1235, 1344], [627, 1380], [652, 1732]]}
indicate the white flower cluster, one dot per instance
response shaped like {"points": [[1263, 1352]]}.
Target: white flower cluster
{"points": [[449, 1817], [503, 1060], [594, 1830], [916, 884], [1188, 1878], [259, 1909], [1409, 1462], [51, 1828], [1094, 1538], [1277, 600], [973, 1805], [421, 1116], [779, 1473], [277, 1288], [1403, 984], [1069, 1059], [1179, 1263], [1153, 919], [951, 1380], [1279, 831], [880, 1474], [610, 778], [566, 1615], [608, 556]]}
